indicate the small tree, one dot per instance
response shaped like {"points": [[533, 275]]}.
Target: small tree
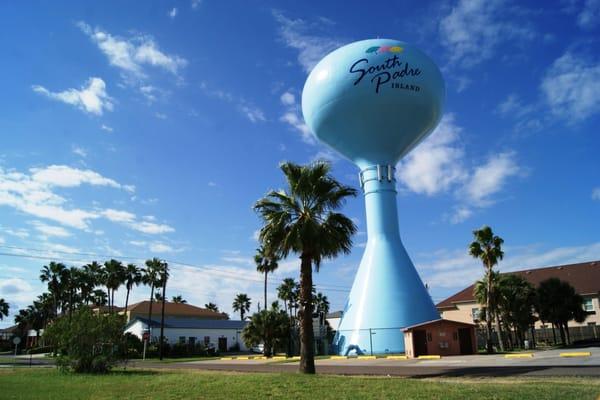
{"points": [[241, 304], [87, 341], [270, 327], [212, 307]]}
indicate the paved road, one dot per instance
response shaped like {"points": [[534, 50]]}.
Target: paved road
{"points": [[544, 363]]}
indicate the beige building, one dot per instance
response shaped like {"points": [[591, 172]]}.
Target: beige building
{"points": [[584, 277]]}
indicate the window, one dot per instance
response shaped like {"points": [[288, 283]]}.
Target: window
{"points": [[475, 314], [442, 333], [588, 305], [182, 339], [192, 340], [429, 338], [206, 340]]}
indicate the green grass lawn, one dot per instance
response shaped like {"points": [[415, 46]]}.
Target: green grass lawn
{"points": [[48, 383]]}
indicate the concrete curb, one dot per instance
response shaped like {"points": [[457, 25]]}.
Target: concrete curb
{"points": [[577, 354], [519, 355]]}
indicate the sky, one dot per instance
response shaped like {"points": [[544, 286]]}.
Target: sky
{"points": [[148, 129]]}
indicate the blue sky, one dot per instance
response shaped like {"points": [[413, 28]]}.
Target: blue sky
{"points": [[136, 130]]}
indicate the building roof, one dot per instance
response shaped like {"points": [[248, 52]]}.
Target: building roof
{"points": [[174, 309], [192, 323], [584, 277], [435, 321]]}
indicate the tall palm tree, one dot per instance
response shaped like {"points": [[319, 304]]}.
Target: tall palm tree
{"points": [[52, 274], [212, 307], [285, 292], [241, 304], [133, 277], [94, 276], [4, 307], [488, 248], [266, 262], [115, 277], [163, 278], [151, 278], [321, 303], [178, 299], [303, 220]]}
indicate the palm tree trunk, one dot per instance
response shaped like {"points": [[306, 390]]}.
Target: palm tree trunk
{"points": [[307, 351], [126, 301], [488, 313], [266, 307], [162, 317], [150, 309], [499, 333], [553, 333], [567, 331], [562, 334]]}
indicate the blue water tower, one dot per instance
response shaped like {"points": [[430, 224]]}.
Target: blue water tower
{"points": [[374, 101]]}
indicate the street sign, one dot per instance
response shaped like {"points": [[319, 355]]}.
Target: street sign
{"points": [[146, 336], [16, 340]]}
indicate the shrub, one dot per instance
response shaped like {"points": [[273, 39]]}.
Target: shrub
{"points": [[87, 342]]}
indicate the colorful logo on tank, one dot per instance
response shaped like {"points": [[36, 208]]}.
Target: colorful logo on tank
{"points": [[384, 49]]}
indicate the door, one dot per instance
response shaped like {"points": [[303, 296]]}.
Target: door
{"points": [[222, 344], [465, 341], [420, 342]]}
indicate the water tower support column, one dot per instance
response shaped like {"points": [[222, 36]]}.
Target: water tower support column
{"points": [[387, 294]]}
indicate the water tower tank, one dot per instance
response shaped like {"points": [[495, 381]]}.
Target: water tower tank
{"points": [[373, 101]]}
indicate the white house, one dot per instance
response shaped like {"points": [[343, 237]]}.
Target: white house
{"points": [[220, 333]]}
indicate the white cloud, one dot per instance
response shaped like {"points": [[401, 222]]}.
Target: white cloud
{"points": [[436, 164], [173, 13], [489, 178], [196, 3], [243, 106], [131, 55], [130, 220], [65, 176], [149, 92], [161, 248], [212, 184], [92, 98], [253, 113], [50, 230], [80, 151], [292, 117], [288, 99], [456, 269], [596, 193], [589, 15], [300, 35], [106, 128], [160, 115], [34, 194], [473, 30], [571, 87]]}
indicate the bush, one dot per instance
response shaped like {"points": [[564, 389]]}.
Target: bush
{"points": [[87, 342]]}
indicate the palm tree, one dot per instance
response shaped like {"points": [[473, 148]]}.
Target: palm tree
{"points": [[321, 303], [115, 277], [94, 276], [53, 273], [157, 296], [488, 248], [4, 307], [133, 277], [265, 262], [241, 303], [285, 292], [212, 307], [163, 278], [516, 300], [151, 277], [178, 299], [303, 220]]}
